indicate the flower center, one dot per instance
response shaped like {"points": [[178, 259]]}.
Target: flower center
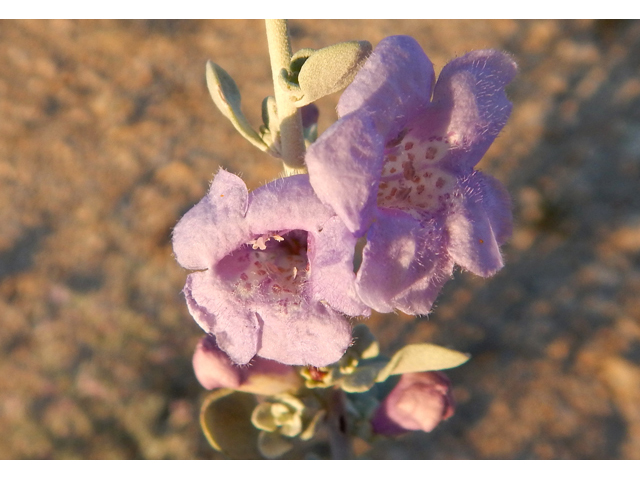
{"points": [[411, 180], [271, 267]]}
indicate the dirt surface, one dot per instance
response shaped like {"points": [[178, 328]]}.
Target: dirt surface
{"points": [[108, 135]]}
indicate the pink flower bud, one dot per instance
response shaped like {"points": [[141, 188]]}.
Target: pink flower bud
{"points": [[418, 402], [214, 369]]}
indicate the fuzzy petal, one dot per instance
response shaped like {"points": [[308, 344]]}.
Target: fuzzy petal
{"points": [[236, 327], [400, 258], [419, 298], [472, 88], [472, 241], [497, 204], [288, 203], [315, 335], [395, 83], [204, 318], [344, 168], [331, 258], [198, 240]]}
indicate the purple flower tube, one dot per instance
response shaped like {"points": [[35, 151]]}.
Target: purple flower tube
{"points": [[398, 166], [274, 271]]}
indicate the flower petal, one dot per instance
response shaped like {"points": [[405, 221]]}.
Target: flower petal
{"points": [[472, 88], [227, 316], [198, 240], [314, 335], [204, 318], [418, 299], [472, 241], [331, 260], [395, 83], [286, 204], [344, 168], [400, 261], [497, 204]]}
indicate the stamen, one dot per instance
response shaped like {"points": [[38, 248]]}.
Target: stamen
{"points": [[259, 243], [277, 268]]}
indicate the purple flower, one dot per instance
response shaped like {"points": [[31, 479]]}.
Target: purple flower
{"points": [[399, 166], [275, 271], [418, 402], [214, 369]]}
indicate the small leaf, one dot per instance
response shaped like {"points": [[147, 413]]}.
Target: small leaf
{"points": [[422, 357], [310, 431], [330, 69], [273, 445], [223, 90], [292, 427], [297, 60], [226, 96], [262, 418], [225, 418], [362, 379]]}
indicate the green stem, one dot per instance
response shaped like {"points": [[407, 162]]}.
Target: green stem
{"points": [[291, 139]]}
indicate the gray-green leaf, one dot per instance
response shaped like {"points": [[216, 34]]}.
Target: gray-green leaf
{"points": [[330, 69], [362, 379], [226, 96], [421, 357], [225, 418]]}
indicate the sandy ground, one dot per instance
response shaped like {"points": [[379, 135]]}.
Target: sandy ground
{"points": [[108, 135]]}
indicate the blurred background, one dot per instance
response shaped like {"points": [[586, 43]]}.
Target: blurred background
{"points": [[108, 136]]}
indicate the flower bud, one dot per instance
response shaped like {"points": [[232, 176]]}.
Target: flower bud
{"points": [[214, 369], [418, 402]]}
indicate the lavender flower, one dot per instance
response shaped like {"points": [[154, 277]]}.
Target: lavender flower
{"points": [[275, 271], [214, 369], [399, 166], [420, 401]]}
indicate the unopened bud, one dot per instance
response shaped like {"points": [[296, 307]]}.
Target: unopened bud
{"points": [[418, 402]]}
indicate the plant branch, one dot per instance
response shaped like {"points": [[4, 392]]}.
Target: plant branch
{"points": [[289, 118], [339, 439]]}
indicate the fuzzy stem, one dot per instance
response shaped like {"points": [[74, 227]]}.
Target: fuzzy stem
{"points": [[291, 139]]}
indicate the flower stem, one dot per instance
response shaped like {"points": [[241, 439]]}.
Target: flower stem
{"points": [[291, 139], [339, 439]]}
